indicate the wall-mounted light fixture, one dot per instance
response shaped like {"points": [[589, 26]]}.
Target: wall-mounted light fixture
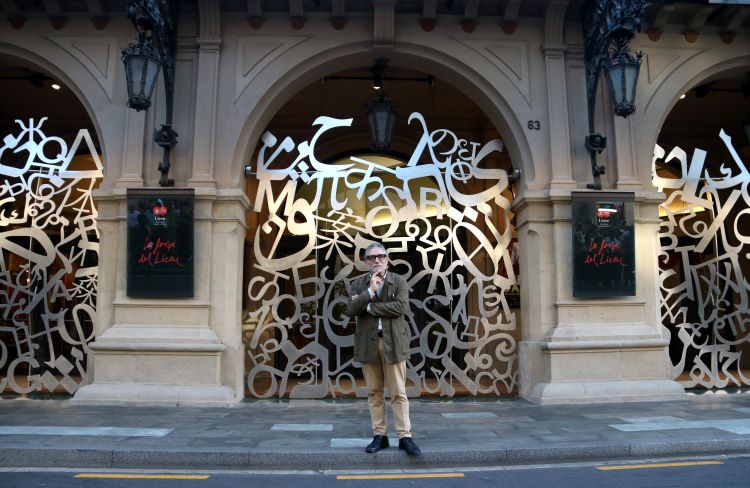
{"points": [[622, 75], [155, 48], [609, 25], [142, 68]]}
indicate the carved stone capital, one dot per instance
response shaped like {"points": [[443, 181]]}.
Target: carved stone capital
{"points": [[297, 23], [338, 23], [255, 22], [427, 24], [100, 22], [469, 25], [508, 27]]}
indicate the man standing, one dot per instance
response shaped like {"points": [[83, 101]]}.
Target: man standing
{"points": [[381, 343]]}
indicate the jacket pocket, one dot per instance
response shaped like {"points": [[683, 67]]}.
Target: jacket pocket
{"points": [[400, 339]]}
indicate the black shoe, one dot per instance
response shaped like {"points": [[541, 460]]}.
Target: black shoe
{"points": [[408, 445], [378, 442]]}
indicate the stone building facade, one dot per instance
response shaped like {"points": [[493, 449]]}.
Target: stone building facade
{"points": [[514, 71]]}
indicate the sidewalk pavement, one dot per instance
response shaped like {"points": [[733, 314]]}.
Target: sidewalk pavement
{"points": [[332, 434]]}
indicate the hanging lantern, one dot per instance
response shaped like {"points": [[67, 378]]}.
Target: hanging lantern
{"points": [[142, 68], [381, 115], [622, 75]]}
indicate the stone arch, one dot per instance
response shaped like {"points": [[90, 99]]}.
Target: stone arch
{"points": [[658, 103], [301, 70], [60, 219], [88, 92], [696, 338], [278, 84]]}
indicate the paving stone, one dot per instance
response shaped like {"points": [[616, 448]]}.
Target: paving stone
{"points": [[491, 432]]}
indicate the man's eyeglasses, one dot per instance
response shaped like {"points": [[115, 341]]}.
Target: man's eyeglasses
{"points": [[373, 257]]}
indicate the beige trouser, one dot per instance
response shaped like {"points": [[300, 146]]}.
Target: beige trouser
{"points": [[395, 378]]}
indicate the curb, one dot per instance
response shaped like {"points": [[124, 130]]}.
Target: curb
{"points": [[247, 459]]}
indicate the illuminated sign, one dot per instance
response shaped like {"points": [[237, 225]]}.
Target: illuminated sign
{"points": [[603, 244], [160, 243]]}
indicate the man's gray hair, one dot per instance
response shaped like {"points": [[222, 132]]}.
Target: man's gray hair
{"points": [[374, 245]]}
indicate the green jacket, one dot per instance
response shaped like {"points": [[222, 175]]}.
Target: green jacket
{"points": [[390, 308]]}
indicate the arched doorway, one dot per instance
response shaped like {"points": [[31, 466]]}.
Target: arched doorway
{"points": [[439, 200], [49, 165], [701, 164]]}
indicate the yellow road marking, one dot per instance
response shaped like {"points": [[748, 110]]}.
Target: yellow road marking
{"points": [[143, 476], [657, 465], [397, 476]]}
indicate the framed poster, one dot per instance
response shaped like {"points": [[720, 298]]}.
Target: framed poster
{"points": [[160, 243], [603, 244]]}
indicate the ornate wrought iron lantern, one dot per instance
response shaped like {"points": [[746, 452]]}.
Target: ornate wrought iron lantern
{"points": [[622, 75], [609, 25], [142, 68], [156, 23], [381, 114]]}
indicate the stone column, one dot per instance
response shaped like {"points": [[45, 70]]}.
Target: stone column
{"points": [[205, 112], [557, 95], [171, 351], [582, 350], [535, 233], [209, 50], [228, 230]]}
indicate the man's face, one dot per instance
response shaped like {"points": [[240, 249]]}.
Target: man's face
{"points": [[376, 259]]}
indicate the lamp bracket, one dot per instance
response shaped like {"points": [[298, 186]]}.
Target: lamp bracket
{"points": [[164, 179], [378, 71], [378, 75], [429, 79], [156, 22], [607, 24], [596, 143], [165, 137]]}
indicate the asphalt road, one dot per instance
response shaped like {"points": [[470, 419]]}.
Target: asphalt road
{"points": [[724, 472]]}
